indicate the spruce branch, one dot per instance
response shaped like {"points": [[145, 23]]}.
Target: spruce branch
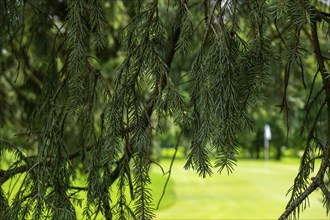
{"points": [[311, 90], [301, 198], [228, 75], [11, 172], [308, 109], [326, 85], [324, 189], [300, 193], [141, 119]]}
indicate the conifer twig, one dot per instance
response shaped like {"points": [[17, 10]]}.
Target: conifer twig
{"points": [[317, 181], [170, 170], [295, 203]]}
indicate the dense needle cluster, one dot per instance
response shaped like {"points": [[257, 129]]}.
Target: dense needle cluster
{"points": [[202, 63]]}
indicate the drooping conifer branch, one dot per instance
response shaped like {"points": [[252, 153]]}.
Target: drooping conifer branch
{"points": [[107, 130], [302, 187]]}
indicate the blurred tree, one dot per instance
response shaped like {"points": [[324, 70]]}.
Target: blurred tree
{"points": [[89, 82]]}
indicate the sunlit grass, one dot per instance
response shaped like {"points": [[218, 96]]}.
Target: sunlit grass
{"points": [[158, 181], [256, 190], [157, 185]]}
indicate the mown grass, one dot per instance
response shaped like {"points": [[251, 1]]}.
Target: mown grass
{"points": [[158, 181], [256, 190]]}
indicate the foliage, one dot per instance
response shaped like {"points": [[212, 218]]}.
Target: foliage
{"points": [[89, 84]]}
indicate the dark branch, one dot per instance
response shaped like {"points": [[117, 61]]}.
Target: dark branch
{"points": [[318, 181], [324, 190], [295, 203], [171, 45], [7, 174], [170, 169]]}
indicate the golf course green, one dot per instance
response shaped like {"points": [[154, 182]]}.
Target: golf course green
{"points": [[255, 190]]}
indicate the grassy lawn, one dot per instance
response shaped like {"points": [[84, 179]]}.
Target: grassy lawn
{"points": [[256, 190], [158, 180]]}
